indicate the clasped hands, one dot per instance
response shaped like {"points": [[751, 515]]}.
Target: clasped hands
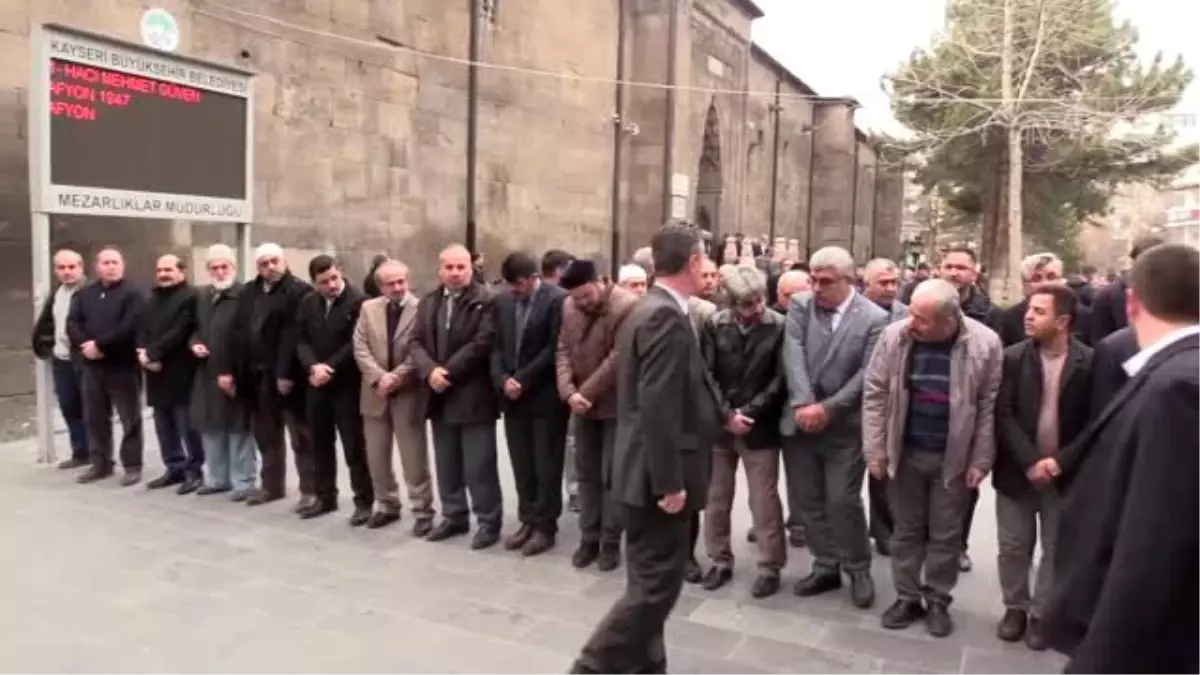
{"points": [[143, 359], [811, 418], [1044, 470]]}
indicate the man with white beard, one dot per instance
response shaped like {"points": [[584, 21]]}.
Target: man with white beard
{"points": [[219, 416]]}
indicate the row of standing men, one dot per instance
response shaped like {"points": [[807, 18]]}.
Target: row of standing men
{"points": [[227, 365]]}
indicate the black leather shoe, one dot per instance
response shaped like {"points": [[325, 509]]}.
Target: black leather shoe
{"points": [[751, 538], [862, 589], [73, 463], [1012, 625], [484, 539], [318, 508], [902, 614], [212, 490], [92, 475], [518, 538], [585, 555], [447, 529], [190, 485], [716, 577], [382, 519], [422, 527], [609, 558], [537, 544], [937, 620], [1035, 639], [765, 586], [131, 477], [166, 480], [361, 516], [692, 572], [883, 547], [817, 583]]}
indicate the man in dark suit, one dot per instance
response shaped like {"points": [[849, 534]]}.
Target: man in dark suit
{"points": [[451, 345], [1108, 306], [666, 424], [325, 348], [1129, 539], [528, 318]]}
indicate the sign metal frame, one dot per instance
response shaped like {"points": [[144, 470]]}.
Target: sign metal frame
{"points": [[54, 41]]}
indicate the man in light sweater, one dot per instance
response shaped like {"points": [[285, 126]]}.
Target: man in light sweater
{"points": [[50, 342]]}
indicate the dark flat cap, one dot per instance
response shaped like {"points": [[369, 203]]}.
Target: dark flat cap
{"points": [[577, 273]]}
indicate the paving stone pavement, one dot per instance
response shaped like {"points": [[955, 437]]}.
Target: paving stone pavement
{"points": [[103, 579]]}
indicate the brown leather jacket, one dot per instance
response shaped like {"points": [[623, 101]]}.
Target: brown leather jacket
{"points": [[586, 357]]}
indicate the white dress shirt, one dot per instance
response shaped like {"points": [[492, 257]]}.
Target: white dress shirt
{"points": [[1139, 360], [677, 296]]}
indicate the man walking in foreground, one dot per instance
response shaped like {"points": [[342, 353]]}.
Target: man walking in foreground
{"points": [[665, 428], [1127, 564]]}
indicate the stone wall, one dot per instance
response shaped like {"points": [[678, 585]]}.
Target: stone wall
{"points": [[862, 233], [361, 147]]}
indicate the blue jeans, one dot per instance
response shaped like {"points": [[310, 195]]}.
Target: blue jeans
{"points": [[70, 404], [182, 452], [232, 459]]}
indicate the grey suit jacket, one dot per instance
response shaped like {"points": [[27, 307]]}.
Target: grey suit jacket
{"points": [[827, 367], [666, 420]]}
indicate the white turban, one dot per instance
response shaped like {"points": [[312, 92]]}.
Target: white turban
{"points": [[220, 252], [631, 273], [268, 250]]}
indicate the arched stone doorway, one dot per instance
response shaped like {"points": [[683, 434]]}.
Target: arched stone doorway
{"points": [[709, 183]]}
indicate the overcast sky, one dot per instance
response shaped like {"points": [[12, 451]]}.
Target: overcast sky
{"points": [[843, 47]]}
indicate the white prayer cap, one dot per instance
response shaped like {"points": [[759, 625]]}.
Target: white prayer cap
{"points": [[220, 252], [631, 273], [268, 250]]}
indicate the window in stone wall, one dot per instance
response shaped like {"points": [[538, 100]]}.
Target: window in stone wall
{"points": [[487, 10]]}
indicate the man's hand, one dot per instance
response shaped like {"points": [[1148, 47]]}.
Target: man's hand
{"points": [[877, 468], [811, 418], [91, 351], [512, 389], [1044, 471], [284, 386], [739, 424], [439, 379], [225, 384], [154, 366], [673, 503], [579, 404], [200, 351], [975, 477], [387, 383], [143, 360], [319, 375]]}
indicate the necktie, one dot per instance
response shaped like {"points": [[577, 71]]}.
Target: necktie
{"points": [[825, 316], [522, 318], [393, 321]]}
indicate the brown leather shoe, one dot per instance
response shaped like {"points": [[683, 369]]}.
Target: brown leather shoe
{"points": [[539, 543], [518, 538]]}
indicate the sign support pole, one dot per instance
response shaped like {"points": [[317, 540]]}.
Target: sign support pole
{"points": [[39, 224], [245, 248]]}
